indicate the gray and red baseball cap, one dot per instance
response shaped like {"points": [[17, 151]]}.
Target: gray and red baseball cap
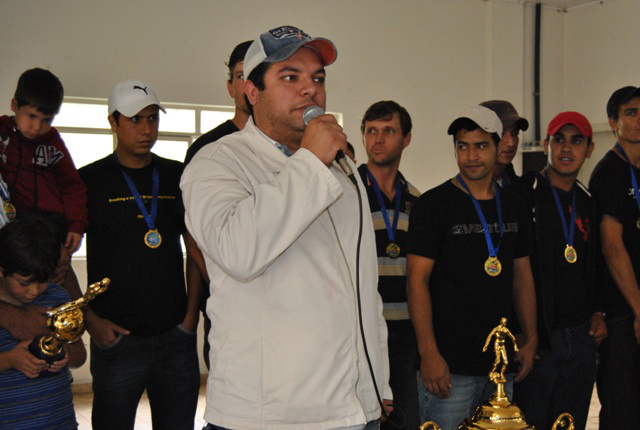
{"points": [[281, 43]]}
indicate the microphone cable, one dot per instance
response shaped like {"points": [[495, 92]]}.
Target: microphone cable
{"points": [[359, 301], [310, 113]]}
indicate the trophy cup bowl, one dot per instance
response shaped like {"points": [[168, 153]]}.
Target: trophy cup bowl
{"points": [[66, 325], [499, 413]]}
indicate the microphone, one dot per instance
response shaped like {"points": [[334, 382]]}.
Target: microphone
{"points": [[315, 111]]}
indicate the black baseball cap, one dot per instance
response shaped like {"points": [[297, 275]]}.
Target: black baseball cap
{"points": [[507, 113]]}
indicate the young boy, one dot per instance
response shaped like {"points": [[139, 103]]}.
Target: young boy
{"points": [[29, 252], [34, 160]]}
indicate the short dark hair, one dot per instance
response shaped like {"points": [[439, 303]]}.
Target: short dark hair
{"points": [[29, 246], [237, 55], [350, 147], [116, 116], [257, 77], [40, 88], [620, 97], [470, 125], [384, 110]]}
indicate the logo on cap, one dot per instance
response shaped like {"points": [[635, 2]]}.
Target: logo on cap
{"points": [[287, 31], [136, 87]]}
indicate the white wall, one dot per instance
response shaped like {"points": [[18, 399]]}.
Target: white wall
{"points": [[435, 57], [600, 57]]}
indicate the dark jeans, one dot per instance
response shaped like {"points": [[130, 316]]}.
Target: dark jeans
{"points": [[467, 392], [166, 365], [561, 380], [619, 377], [403, 353]]}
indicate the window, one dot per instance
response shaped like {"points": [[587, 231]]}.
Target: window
{"points": [[82, 123]]}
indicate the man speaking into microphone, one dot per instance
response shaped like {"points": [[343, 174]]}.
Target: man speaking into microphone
{"points": [[298, 340]]}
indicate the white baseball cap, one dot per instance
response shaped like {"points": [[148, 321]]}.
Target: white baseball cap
{"points": [[130, 97], [486, 119]]}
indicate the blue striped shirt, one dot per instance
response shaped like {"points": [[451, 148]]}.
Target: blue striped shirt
{"points": [[41, 403]]}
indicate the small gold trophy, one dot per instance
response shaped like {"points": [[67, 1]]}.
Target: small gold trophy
{"points": [[65, 324], [499, 413]]}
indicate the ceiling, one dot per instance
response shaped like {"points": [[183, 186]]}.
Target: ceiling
{"points": [[563, 5]]}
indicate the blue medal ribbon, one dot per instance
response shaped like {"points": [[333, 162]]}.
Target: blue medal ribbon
{"points": [[150, 219], [634, 182], [4, 192], [493, 251], [8, 209], [568, 234], [391, 229]]}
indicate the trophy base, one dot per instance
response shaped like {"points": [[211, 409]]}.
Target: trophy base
{"points": [[497, 414], [35, 349]]}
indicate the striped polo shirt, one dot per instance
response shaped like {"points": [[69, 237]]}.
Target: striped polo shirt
{"points": [[392, 274]]}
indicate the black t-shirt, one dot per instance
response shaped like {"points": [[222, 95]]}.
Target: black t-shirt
{"points": [[572, 304], [467, 302], [147, 293], [610, 186], [222, 130], [211, 136]]}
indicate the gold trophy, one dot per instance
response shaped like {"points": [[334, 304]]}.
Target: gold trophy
{"points": [[66, 325], [499, 413]]}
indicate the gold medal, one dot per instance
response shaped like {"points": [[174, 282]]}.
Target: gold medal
{"points": [[393, 250], [570, 254], [492, 266], [9, 210], [638, 223], [153, 239]]}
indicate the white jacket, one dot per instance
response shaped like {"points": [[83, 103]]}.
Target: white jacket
{"points": [[279, 238]]}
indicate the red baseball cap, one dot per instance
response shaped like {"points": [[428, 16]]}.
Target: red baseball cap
{"points": [[573, 118]]}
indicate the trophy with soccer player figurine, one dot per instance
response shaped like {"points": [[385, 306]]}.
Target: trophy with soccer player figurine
{"points": [[65, 324], [499, 413]]}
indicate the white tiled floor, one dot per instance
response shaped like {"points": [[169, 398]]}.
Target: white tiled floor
{"points": [[143, 419]]}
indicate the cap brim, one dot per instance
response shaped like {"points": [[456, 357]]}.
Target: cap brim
{"points": [[519, 122], [324, 47], [522, 124], [134, 108], [454, 124]]}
